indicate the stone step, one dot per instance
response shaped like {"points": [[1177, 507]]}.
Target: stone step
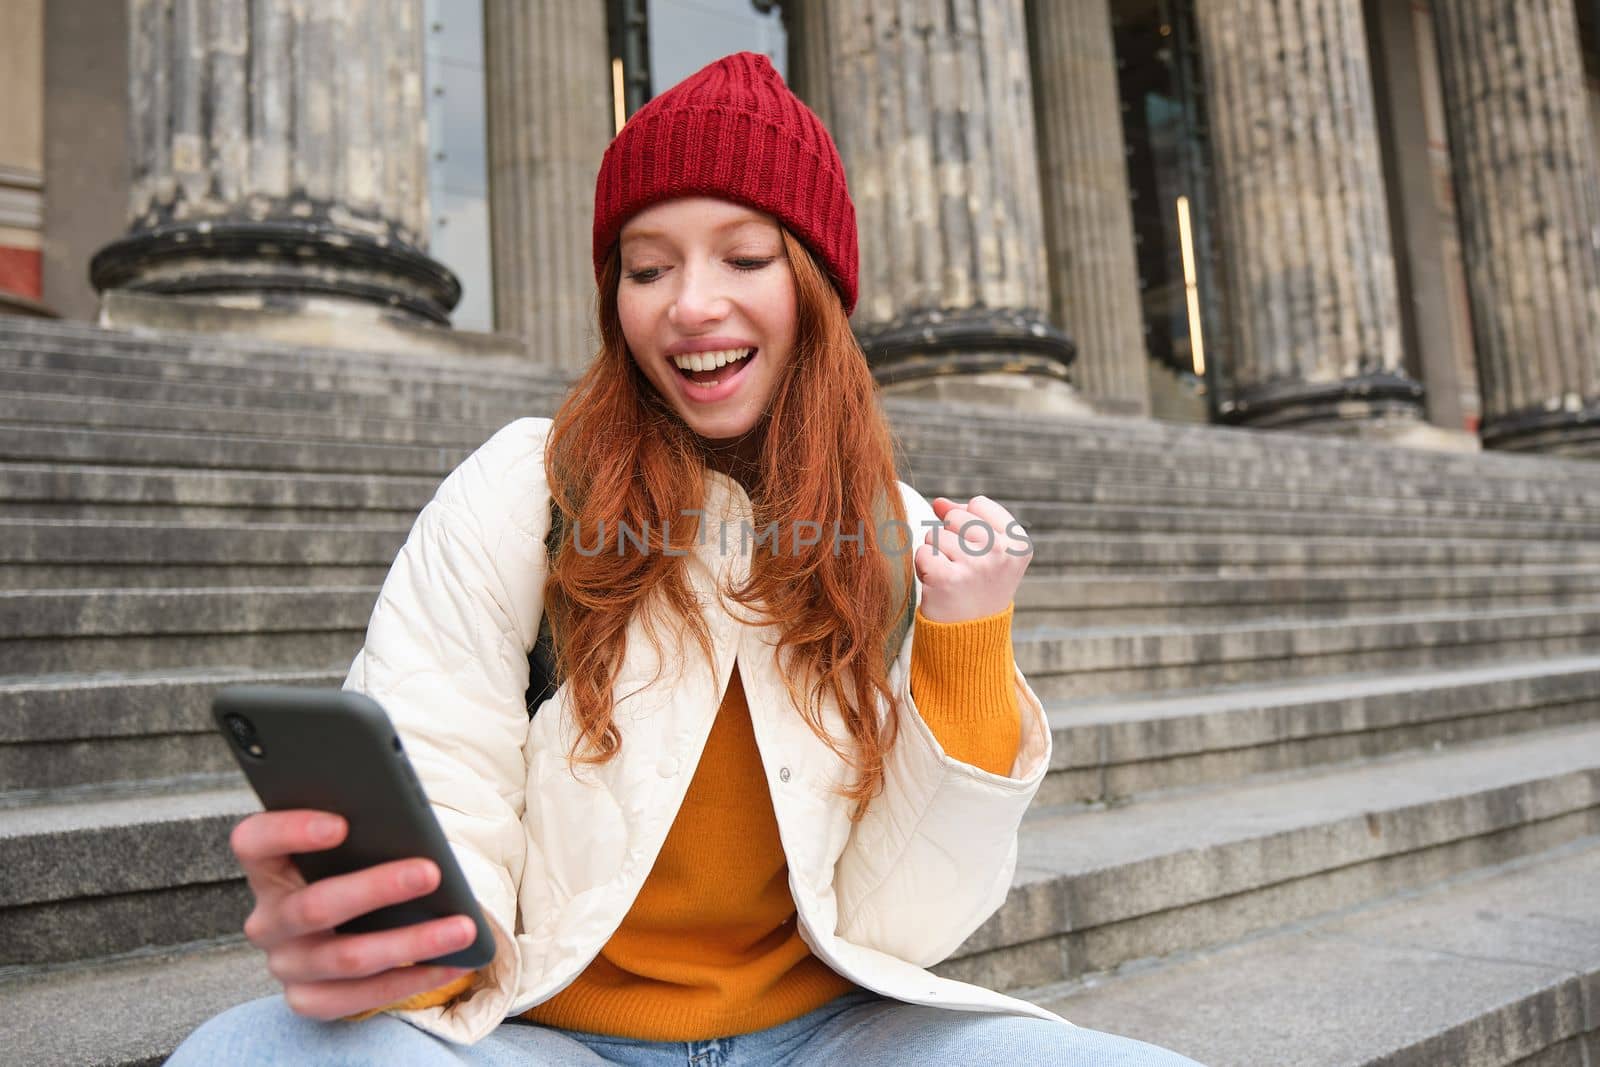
{"points": [[261, 449], [1096, 889], [83, 560], [198, 496], [1113, 748], [930, 439], [85, 492], [45, 543], [240, 396], [1088, 662], [64, 732], [120, 414], [88, 614], [1479, 971], [1252, 448], [1482, 962], [121, 869], [188, 494], [143, 1005], [1005, 477], [245, 351], [221, 452], [1000, 477], [1205, 494], [1037, 516], [1107, 600], [53, 396], [309, 371], [39, 554], [1264, 556], [218, 575], [239, 356], [954, 418], [68, 731], [1494, 968], [192, 496], [974, 427], [242, 356], [1037, 503], [58, 631], [85, 630]]}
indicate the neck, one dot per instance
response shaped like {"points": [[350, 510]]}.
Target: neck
{"points": [[737, 457]]}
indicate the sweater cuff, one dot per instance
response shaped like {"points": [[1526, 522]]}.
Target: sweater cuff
{"points": [[430, 998], [963, 684]]}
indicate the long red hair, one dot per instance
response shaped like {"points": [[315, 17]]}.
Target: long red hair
{"points": [[619, 454]]}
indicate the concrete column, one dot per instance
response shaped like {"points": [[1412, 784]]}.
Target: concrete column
{"points": [[1094, 276], [1408, 84], [810, 77], [932, 111], [1528, 187], [279, 154], [86, 147], [22, 191], [1316, 321], [550, 119]]}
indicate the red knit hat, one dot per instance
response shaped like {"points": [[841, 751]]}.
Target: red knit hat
{"points": [[735, 131]]}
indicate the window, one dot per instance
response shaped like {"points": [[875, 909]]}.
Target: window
{"points": [[657, 43], [1163, 115], [458, 149]]}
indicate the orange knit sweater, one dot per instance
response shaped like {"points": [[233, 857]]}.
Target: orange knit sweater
{"points": [[710, 946]]}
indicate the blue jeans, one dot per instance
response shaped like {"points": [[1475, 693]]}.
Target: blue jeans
{"points": [[859, 1028]]}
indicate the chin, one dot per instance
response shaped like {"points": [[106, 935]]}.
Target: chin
{"points": [[721, 434]]}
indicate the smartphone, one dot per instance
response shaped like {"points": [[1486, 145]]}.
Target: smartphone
{"points": [[337, 751]]}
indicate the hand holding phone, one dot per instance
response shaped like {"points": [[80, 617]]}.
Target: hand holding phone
{"points": [[325, 974], [359, 900]]}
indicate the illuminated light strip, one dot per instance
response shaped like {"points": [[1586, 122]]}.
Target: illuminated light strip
{"points": [[1191, 287], [616, 94]]}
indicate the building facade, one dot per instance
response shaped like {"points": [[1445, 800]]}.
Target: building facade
{"points": [[1358, 217]]}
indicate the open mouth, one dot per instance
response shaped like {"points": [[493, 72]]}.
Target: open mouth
{"points": [[728, 365]]}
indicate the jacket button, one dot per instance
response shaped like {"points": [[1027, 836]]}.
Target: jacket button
{"points": [[667, 767], [783, 773]]}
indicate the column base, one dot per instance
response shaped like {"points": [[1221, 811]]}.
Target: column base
{"points": [[281, 257], [1302, 405], [17, 304], [934, 342], [311, 322], [1571, 429], [1422, 436], [1008, 392]]}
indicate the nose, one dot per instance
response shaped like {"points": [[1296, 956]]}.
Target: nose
{"points": [[699, 299]]}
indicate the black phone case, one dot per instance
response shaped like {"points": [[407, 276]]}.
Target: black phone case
{"points": [[337, 751]]}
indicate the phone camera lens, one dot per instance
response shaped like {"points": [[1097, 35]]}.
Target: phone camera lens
{"points": [[244, 733]]}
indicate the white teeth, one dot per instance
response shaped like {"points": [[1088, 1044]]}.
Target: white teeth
{"points": [[710, 360]]}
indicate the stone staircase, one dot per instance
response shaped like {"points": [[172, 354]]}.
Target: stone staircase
{"points": [[1326, 787]]}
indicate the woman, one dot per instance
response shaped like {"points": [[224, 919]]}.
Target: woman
{"points": [[756, 809]]}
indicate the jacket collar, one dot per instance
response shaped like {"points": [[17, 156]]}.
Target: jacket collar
{"points": [[726, 497]]}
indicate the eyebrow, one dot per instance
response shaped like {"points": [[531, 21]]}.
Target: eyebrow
{"points": [[729, 225]]}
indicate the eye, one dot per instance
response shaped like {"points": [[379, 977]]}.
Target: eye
{"points": [[751, 264], [639, 275]]}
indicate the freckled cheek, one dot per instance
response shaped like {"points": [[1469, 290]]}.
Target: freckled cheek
{"points": [[636, 338]]}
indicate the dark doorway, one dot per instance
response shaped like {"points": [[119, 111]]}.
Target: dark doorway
{"points": [[1164, 123]]}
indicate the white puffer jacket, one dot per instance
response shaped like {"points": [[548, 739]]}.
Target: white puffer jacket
{"points": [[556, 862]]}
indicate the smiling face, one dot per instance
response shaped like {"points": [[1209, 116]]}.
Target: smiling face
{"points": [[703, 282]]}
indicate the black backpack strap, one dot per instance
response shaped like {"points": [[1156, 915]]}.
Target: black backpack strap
{"points": [[542, 657]]}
